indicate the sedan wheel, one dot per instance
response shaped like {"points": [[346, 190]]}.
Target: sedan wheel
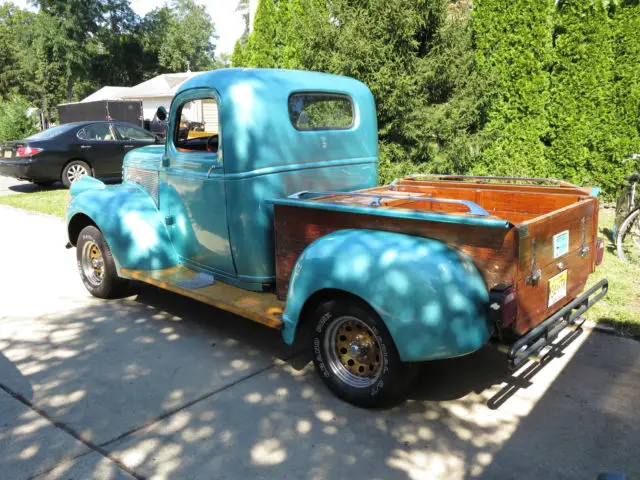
{"points": [[74, 171]]}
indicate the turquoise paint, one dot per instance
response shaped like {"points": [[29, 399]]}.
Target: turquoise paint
{"points": [[222, 220], [595, 191], [431, 297], [130, 221], [398, 213]]}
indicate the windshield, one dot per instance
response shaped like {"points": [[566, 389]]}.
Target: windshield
{"points": [[50, 133]]}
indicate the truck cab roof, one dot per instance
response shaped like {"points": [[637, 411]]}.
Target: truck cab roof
{"points": [[263, 124]]}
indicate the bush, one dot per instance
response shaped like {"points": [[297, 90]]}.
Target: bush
{"points": [[14, 122]]}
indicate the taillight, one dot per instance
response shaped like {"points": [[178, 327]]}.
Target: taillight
{"points": [[27, 151], [599, 250], [503, 307]]}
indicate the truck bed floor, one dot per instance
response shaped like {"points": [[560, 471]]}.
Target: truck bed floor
{"points": [[260, 307]]}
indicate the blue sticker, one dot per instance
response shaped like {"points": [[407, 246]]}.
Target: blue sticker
{"points": [[560, 244]]}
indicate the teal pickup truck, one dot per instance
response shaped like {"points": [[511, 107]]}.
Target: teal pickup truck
{"points": [[264, 202]]}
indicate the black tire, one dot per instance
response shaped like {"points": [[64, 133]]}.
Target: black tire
{"points": [[104, 285], [391, 385], [628, 248], [69, 172]]}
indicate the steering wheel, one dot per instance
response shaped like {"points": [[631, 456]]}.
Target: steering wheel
{"points": [[212, 144]]}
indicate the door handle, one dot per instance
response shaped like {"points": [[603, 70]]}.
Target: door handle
{"points": [[84, 147], [129, 146]]}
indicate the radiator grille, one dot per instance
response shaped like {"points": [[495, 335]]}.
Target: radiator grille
{"points": [[147, 179]]}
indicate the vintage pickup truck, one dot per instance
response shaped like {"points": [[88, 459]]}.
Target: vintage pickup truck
{"points": [[277, 218]]}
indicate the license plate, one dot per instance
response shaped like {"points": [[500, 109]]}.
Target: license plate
{"points": [[558, 287], [7, 153]]}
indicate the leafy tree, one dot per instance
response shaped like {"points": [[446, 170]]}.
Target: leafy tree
{"points": [[14, 22], [15, 123], [188, 37]]}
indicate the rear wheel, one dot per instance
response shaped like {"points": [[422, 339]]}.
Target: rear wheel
{"points": [[628, 240], [74, 171], [356, 357], [96, 265]]}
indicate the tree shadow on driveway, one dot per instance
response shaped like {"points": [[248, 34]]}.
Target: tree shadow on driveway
{"points": [[176, 389]]}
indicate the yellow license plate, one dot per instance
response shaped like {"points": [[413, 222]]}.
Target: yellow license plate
{"points": [[7, 154], [558, 287]]}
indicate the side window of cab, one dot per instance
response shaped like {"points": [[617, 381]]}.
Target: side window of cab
{"points": [[196, 126]]}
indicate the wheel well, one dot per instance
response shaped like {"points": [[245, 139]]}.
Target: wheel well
{"points": [[321, 296], [77, 223]]}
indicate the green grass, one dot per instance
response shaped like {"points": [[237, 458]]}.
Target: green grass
{"points": [[53, 202], [621, 307]]}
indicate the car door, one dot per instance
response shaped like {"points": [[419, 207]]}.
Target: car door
{"points": [[100, 147], [194, 200], [131, 137]]}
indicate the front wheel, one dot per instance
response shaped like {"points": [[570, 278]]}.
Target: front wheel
{"points": [[96, 265], [356, 357], [628, 239]]}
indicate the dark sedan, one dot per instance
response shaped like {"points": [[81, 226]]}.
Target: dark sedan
{"points": [[72, 150]]}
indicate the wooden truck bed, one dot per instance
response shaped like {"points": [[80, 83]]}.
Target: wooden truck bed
{"points": [[507, 229]]}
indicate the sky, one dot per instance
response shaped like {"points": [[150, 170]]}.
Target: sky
{"points": [[228, 22]]}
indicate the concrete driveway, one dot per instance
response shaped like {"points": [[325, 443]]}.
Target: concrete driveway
{"points": [[158, 386]]}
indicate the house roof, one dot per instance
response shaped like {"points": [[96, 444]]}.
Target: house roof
{"points": [[164, 85], [107, 93]]}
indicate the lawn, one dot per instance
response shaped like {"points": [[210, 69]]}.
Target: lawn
{"points": [[53, 202], [620, 308]]}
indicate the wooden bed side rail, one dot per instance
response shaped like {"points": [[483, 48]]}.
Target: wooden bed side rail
{"points": [[484, 184]]}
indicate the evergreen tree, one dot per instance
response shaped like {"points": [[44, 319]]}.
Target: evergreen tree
{"points": [[513, 43], [583, 132], [261, 44], [626, 25]]}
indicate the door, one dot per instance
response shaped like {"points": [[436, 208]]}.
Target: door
{"points": [[132, 137], [194, 199], [99, 146]]}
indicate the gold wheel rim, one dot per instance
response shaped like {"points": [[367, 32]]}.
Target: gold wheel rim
{"points": [[353, 352], [93, 263]]}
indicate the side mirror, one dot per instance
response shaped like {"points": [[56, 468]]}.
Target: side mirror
{"points": [[161, 113]]}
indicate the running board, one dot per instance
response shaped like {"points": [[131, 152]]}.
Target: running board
{"points": [[264, 308]]}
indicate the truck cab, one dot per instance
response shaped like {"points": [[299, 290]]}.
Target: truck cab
{"points": [[264, 202]]}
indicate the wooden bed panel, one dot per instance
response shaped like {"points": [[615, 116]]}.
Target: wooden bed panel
{"points": [[494, 251], [496, 200], [545, 227]]}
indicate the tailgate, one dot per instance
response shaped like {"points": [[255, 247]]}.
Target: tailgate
{"points": [[556, 254]]}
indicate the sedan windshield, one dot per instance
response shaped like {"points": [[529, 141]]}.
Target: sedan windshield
{"points": [[50, 133]]}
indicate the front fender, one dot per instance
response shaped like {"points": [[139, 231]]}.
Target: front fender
{"points": [[431, 297], [129, 220]]}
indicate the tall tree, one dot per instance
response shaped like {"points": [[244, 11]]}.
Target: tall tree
{"points": [[188, 38], [514, 46], [582, 91], [626, 51], [261, 44]]}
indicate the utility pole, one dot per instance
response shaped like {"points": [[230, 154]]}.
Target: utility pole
{"points": [[188, 66]]}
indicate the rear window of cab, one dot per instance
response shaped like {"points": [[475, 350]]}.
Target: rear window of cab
{"points": [[321, 111]]}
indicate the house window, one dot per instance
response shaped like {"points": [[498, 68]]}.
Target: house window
{"points": [[320, 111]]}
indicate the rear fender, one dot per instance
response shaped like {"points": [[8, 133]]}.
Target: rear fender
{"points": [[430, 296], [129, 220]]}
